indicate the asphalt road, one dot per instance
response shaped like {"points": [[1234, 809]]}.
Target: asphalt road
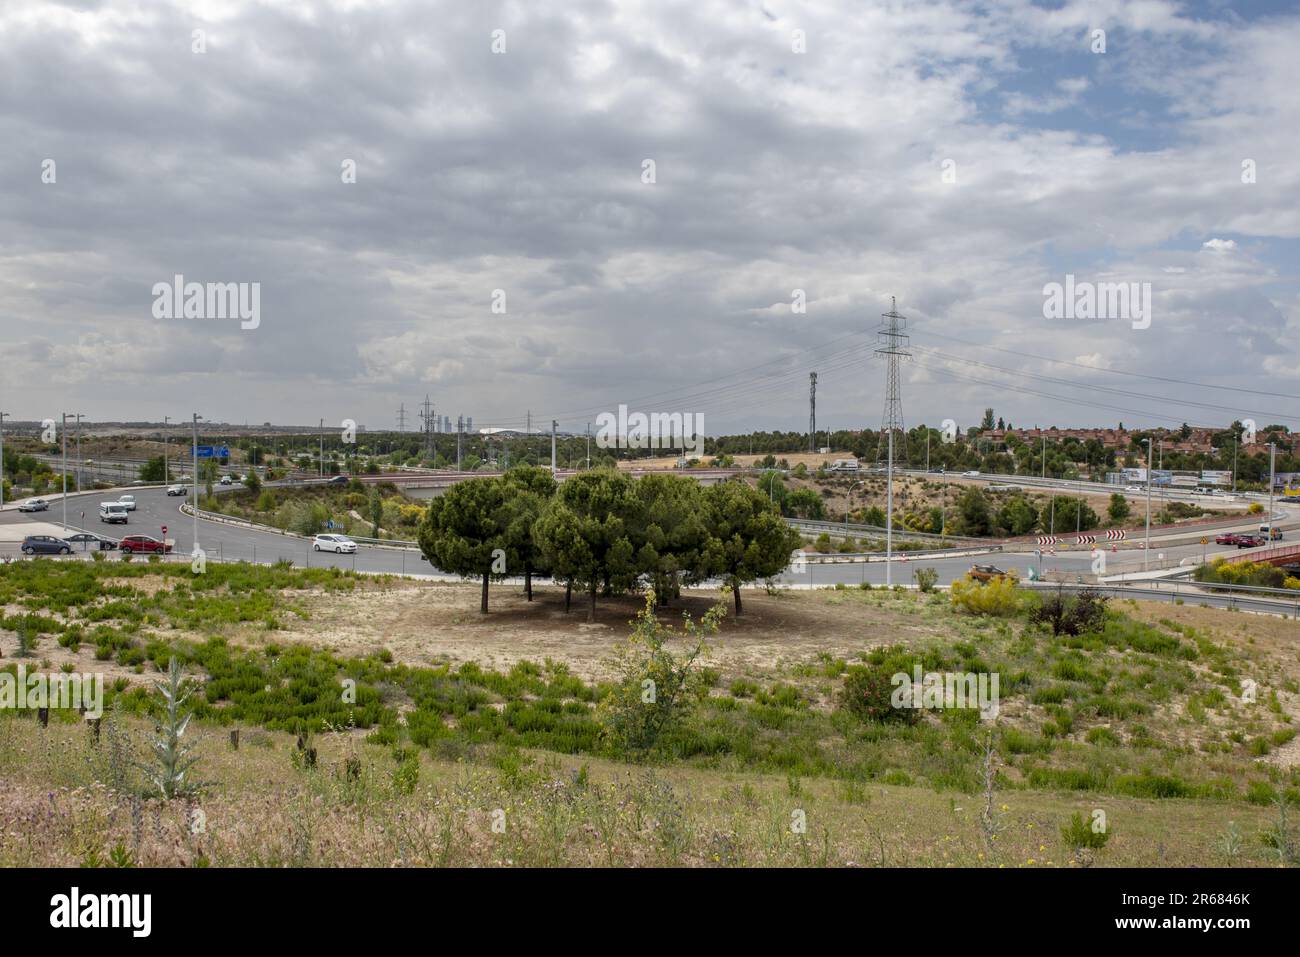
{"points": [[155, 509]]}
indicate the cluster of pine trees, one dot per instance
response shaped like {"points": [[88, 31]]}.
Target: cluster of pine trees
{"points": [[605, 533]]}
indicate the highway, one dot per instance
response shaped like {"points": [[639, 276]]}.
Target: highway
{"points": [[228, 542]]}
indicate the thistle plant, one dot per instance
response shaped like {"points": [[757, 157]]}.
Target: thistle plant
{"points": [[172, 759], [26, 644]]}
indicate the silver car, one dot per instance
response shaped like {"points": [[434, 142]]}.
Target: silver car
{"points": [[340, 544]]}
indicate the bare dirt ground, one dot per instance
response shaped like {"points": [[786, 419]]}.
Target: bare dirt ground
{"points": [[420, 623], [1273, 643]]}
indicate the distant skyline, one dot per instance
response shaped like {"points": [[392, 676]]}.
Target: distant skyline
{"points": [[558, 207]]}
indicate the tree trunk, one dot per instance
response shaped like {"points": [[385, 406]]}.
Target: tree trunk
{"points": [[735, 590], [568, 595], [483, 602], [528, 581], [591, 607]]}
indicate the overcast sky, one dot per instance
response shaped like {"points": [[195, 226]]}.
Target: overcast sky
{"points": [[956, 156]]}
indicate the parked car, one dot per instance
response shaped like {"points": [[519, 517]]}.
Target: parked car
{"points": [[34, 505], [177, 490], [1227, 538], [128, 501], [142, 543], [45, 545], [987, 573], [334, 543], [89, 541], [115, 513], [1249, 541]]}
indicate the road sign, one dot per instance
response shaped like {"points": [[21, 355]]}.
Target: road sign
{"points": [[164, 528], [329, 523], [212, 451], [1205, 541]]}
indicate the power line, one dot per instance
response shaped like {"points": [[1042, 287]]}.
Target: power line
{"points": [[1102, 388], [1124, 372]]}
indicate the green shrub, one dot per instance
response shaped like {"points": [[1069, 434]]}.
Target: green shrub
{"points": [[1080, 834], [868, 694]]}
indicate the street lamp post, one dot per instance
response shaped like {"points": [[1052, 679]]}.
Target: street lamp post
{"points": [[165, 422], [196, 479], [1146, 547], [1235, 436], [1272, 449], [849, 508], [889, 514], [2, 457], [64, 469]]}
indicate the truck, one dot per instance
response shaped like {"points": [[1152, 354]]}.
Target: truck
{"points": [[115, 513], [844, 465]]}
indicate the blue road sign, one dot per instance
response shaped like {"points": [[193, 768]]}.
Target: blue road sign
{"points": [[329, 523], [212, 451]]}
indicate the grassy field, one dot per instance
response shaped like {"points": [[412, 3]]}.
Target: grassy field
{"points": [[1176, 723]]}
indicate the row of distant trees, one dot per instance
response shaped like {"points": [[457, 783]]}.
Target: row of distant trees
{"points": [[604, 533]]}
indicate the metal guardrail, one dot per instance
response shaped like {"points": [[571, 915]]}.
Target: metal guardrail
{"points": [[1187, 591], [876, 531], [207, 516]]}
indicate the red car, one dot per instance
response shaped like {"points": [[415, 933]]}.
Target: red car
{"points": [[142, 543], [1227, 538], [1249, 541]]}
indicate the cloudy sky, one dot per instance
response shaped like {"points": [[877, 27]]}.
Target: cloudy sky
{"points": [[959, 157]]}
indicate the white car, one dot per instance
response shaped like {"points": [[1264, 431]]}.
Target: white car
{"points": [[177, 490], [226, 480], [128, 501], [334, 543], [34, 505], [1132, 488], [971, 474]]}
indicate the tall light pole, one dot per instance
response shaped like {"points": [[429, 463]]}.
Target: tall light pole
{"points": [[889, 514], [1272, 449], [554, 425], [79, 416], [849, 508], [1146, 547], [588, 445], [64, 437], [322, 448], [2, 457], [1236, 434], [165, 421], [196, 479]]}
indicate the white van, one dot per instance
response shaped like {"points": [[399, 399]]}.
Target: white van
{"points": [[113, 513]]}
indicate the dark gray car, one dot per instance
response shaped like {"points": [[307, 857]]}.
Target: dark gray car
{"points": [[89, 541], [45, 545]]}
